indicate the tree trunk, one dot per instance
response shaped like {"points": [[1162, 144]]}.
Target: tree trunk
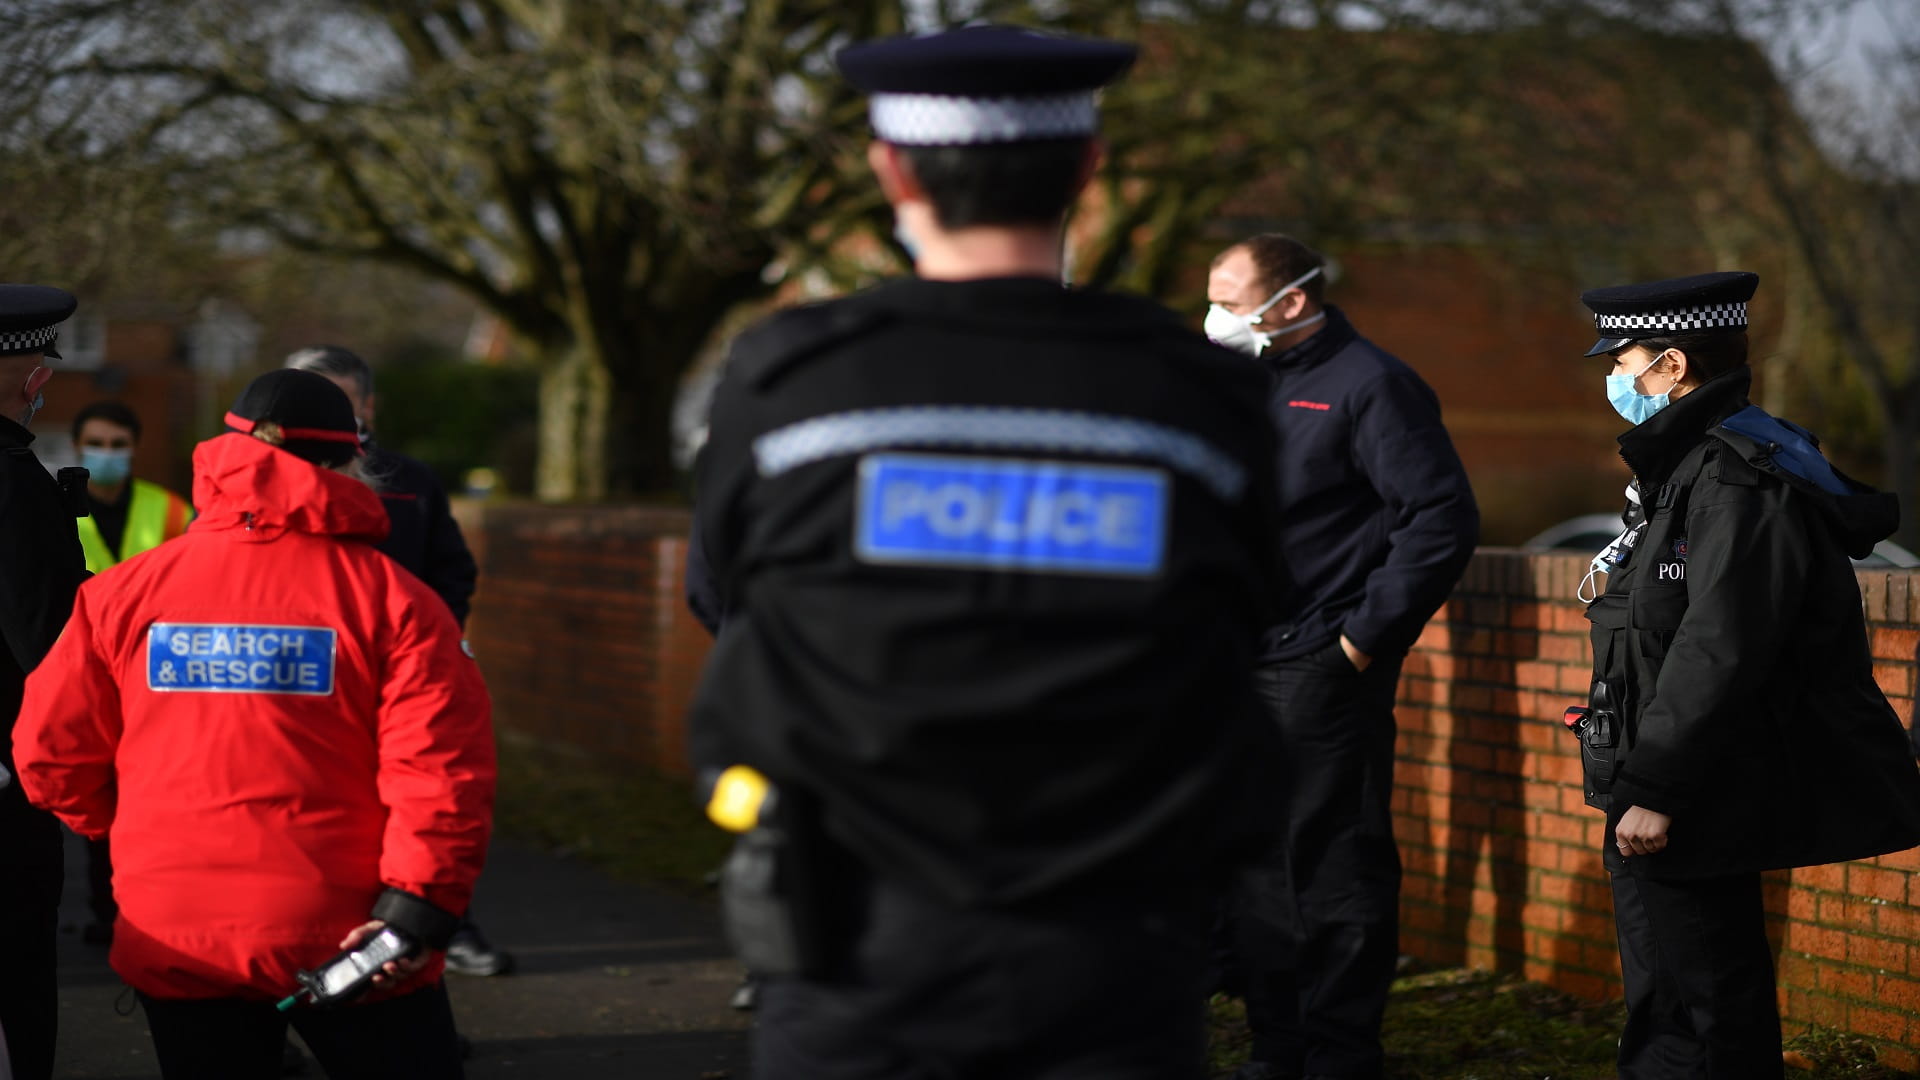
{"points": [[575, 393]]}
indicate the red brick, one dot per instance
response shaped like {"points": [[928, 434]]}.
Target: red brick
{"points": [[1818, 941], [1892, 644], [1846, 982], [1878, 1023], [1898, 993], [1872, 882], [1879, 953], [1895, 679], [1829, 878]]}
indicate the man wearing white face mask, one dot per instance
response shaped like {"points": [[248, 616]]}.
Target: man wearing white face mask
{"points": [[40, 568], [1377, 522]]}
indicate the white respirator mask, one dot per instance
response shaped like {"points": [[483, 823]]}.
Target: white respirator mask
{"points": [[1237, 332]]}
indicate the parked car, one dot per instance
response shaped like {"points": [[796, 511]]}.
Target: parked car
{"points": [[1589, 533]]}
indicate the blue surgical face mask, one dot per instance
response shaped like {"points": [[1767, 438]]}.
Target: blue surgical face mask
{"points": [[905, 240], [1633, 406], [106, 466]]}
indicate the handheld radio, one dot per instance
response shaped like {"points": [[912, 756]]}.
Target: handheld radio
{"points": [[412, 925], [351, 972]]}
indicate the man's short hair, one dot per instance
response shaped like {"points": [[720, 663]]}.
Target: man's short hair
{"points": [[1021, 183], [113, 412], [1710, 353], [334, 362], [1278, 259]]}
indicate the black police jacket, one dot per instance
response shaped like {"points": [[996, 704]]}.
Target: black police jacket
{"points": [[1376, 515], [41, 567], [424, 537], [995, 557], [1733, 647]]}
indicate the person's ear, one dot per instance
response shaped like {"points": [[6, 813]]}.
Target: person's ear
{"points": [[1090, 160], [1291, 306], [895, 173], [366, 410], [36, 379], [1677, 365]]}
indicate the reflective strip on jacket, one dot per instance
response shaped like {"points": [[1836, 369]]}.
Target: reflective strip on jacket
{"points": [[154, 516]]}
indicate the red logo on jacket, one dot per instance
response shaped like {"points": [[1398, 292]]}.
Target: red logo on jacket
{"points": [[1316, 406]]}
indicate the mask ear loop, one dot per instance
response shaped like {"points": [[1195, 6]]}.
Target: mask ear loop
{"points": [[37, 379], [1284, 290]]}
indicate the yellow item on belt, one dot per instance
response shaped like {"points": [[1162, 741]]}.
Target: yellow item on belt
{"points": [[737, 797]]}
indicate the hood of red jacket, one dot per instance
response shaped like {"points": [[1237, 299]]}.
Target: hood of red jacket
{"points": [[240, 482]]}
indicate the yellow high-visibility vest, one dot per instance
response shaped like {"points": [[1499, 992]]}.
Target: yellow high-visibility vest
{"points": [[154, 517]]}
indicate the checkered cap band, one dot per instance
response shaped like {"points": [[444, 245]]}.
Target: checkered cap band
{"points": [[21, 341], [939, 120], [1677, 321]]}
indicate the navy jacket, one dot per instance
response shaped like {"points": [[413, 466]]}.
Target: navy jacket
{"points": [[425, 538], [1377, 520]]}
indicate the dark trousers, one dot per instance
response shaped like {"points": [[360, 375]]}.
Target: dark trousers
{"points": [[100, 882], [938, 992], [1313, 927], [404, 1038], [1699, 979], [32, 867]]}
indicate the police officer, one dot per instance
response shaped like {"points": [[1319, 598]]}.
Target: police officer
{"points": [[40, 567], [994, 556], [1734, 724]]}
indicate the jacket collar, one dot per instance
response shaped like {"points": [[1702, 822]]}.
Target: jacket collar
{"points": [[240, 482], [1033, 300], [13, 433], [1335, 334], [1653, 448]]}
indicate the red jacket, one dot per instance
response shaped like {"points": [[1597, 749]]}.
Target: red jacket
{"points": [[272, 720]]}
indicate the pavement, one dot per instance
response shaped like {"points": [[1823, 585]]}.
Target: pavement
{"points": [[614, 981]]}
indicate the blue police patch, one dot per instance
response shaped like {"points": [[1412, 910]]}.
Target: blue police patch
{"points": [[223, 659], [1011, 514]]}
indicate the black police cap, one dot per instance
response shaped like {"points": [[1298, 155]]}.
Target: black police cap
{"points": [[30, 316], [1624, 314], [314, 416], [984, 84]]}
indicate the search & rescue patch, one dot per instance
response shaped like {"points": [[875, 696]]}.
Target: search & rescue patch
{"points": [[221, 659], [1011, 514]]}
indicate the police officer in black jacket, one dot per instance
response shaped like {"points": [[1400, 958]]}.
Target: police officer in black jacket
{"points": [[994, 556], [1734, 724], [41, 566], [1377, 523]]}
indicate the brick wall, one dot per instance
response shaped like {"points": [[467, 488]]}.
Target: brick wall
{"points": [[580, 628]]}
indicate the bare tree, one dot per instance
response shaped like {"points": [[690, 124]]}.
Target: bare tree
{"points": [[608, 177]]}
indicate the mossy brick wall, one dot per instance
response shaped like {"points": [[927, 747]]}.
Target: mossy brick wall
{"points": [[581, 630], [1503, 856]]}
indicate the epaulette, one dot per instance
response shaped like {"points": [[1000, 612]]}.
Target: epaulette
{"points": [[768, 349]]}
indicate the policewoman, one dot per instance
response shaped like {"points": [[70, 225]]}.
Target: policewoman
{"points": [[1734, 725], [995, 556], [278, 728], [40, 567]]}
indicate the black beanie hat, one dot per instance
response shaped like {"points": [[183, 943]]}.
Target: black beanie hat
{"points": [[314, 415]]}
